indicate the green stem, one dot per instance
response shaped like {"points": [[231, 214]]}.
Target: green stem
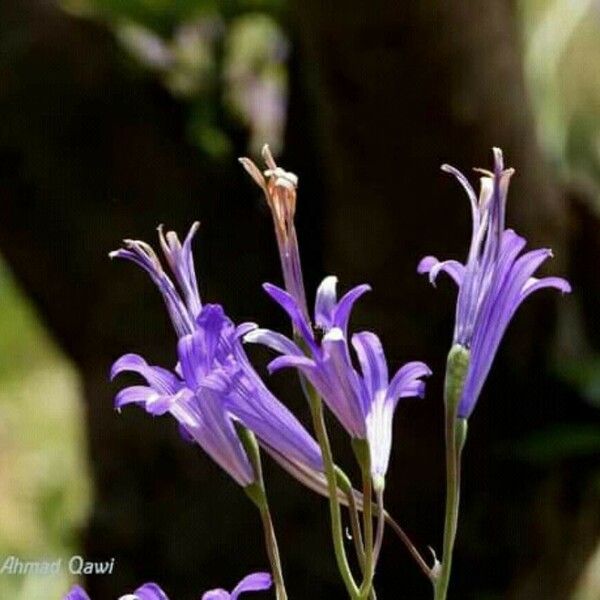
{"points": [[369, 571], [355, 507], [456, 432], [363, 457], [257, 493], [318, 418], [380, 525], [345, 485], [273, 552], [356, 530], [453, 463], [409, 545]]}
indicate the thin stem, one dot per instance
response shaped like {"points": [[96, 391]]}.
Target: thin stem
{"points": [[359, 547], [456, 433], [355, 502], [273, 552], [453, 463], [409, 545], [257, 493], [316, 409], [369, 570], [380, 525], [356, 530]]}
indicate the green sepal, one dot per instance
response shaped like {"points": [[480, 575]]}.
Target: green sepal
{"points": [[378, 483], [362, 453], [457, 367], [256, 493], [343, 481], [256, 490], [250, 444], [462, 427]]}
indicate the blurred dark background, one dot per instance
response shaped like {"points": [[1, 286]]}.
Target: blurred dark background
{"points": [[118, 115]]}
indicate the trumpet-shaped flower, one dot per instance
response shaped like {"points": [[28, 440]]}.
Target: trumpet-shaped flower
{"points": [[496, 278], [214, 384], [363, 401]]}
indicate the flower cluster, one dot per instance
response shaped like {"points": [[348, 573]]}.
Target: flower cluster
{"points": [[221, 403], [213, 385]]}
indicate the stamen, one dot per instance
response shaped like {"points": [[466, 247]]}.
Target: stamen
{"points": [[268, 157]]}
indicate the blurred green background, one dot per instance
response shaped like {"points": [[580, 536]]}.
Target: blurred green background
{"points": [[226, 69], [44, 480]]}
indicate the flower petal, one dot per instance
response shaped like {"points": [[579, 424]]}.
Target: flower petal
{"points": [[470, 192], [205, 418], [431, 265], [493, 319], [303, 363], [343, 394], [244, 328], [144, 256], [289, 304], [153, 402], [407, 381], [276, 341], [211, 323], [192, 359], [533, 285], [344, 306], [325, 303], [379, 434], [76, 593], [150, 591], [218, 594], [372, 361], [259, 410], [161, 379], [252, 583], [181, 262], [185, 435]]}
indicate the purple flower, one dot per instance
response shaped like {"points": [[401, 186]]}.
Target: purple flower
{"points": [[280, 192], [189, 397], [151, 591], [363, 402], [252, 583], [214, 384], [495, 280], [76, 593], [182, 313], [148, 591]]}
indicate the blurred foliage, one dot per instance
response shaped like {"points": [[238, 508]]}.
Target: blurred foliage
{"points": [[44, 488], [562, 62], [225, 61], [589, 584], [585, 376], [547, 447], [164, 16], [562, 58]]}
